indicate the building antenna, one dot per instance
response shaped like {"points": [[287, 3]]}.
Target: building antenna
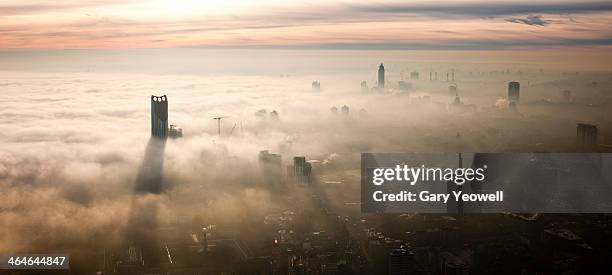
{"points": [[219, 123]]}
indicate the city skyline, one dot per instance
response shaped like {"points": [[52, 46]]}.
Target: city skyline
{"points": [[236, 137]]}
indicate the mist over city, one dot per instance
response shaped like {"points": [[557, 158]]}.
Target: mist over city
{"points": [[78, 164], [205, 137]]}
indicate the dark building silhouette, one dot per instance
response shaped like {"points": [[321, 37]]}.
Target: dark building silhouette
{"points": [[381, 76], [457, 100], [316, 86], [364, 86], [452, 90], [274, 115], [586, 135], [174, 132], [514, 91], [345, 110], [271, 166], [159, 116], [401, 261], [302, 170], [414, 75]]}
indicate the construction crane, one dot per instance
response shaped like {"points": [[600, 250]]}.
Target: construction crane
{"points": [[232, 131], [219, 123]]}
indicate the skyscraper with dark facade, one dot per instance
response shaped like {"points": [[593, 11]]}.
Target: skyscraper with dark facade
{"points": [[271, 166], [381, 76], [159, 116], [514, 91], [302, 170]]}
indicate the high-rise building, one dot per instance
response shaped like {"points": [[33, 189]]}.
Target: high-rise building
{"points": [[364, 86], [381, 76], [316, 86], [274, 115], [174, 132], [290, 174], [514, 90], [452, 90], [401, 261], [302, 170], [586, 135], [345, 110], [271, 166], [159, 116]]}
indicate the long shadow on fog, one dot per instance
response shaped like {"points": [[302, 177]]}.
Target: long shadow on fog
{"points": [[142, 225]]}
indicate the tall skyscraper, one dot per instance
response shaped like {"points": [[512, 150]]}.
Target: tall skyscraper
{"points": [[514, 90], [452, 90], [271, 166], [381, 76], [159, 116], [302, 170]]}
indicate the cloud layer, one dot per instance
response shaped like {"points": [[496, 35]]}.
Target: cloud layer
{"points": [[75, 126], [315, 24]]}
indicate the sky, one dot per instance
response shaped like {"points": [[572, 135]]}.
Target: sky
{"points": [[350, 24]]}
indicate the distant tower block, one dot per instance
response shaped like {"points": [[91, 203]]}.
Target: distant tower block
{"points": [[452, 90], [316, 86], [159, 116], [301, 170], [381, 76], [345, 110], [274, 115], [586, 135], [364, 86], [271, 166], [514, 91]]}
